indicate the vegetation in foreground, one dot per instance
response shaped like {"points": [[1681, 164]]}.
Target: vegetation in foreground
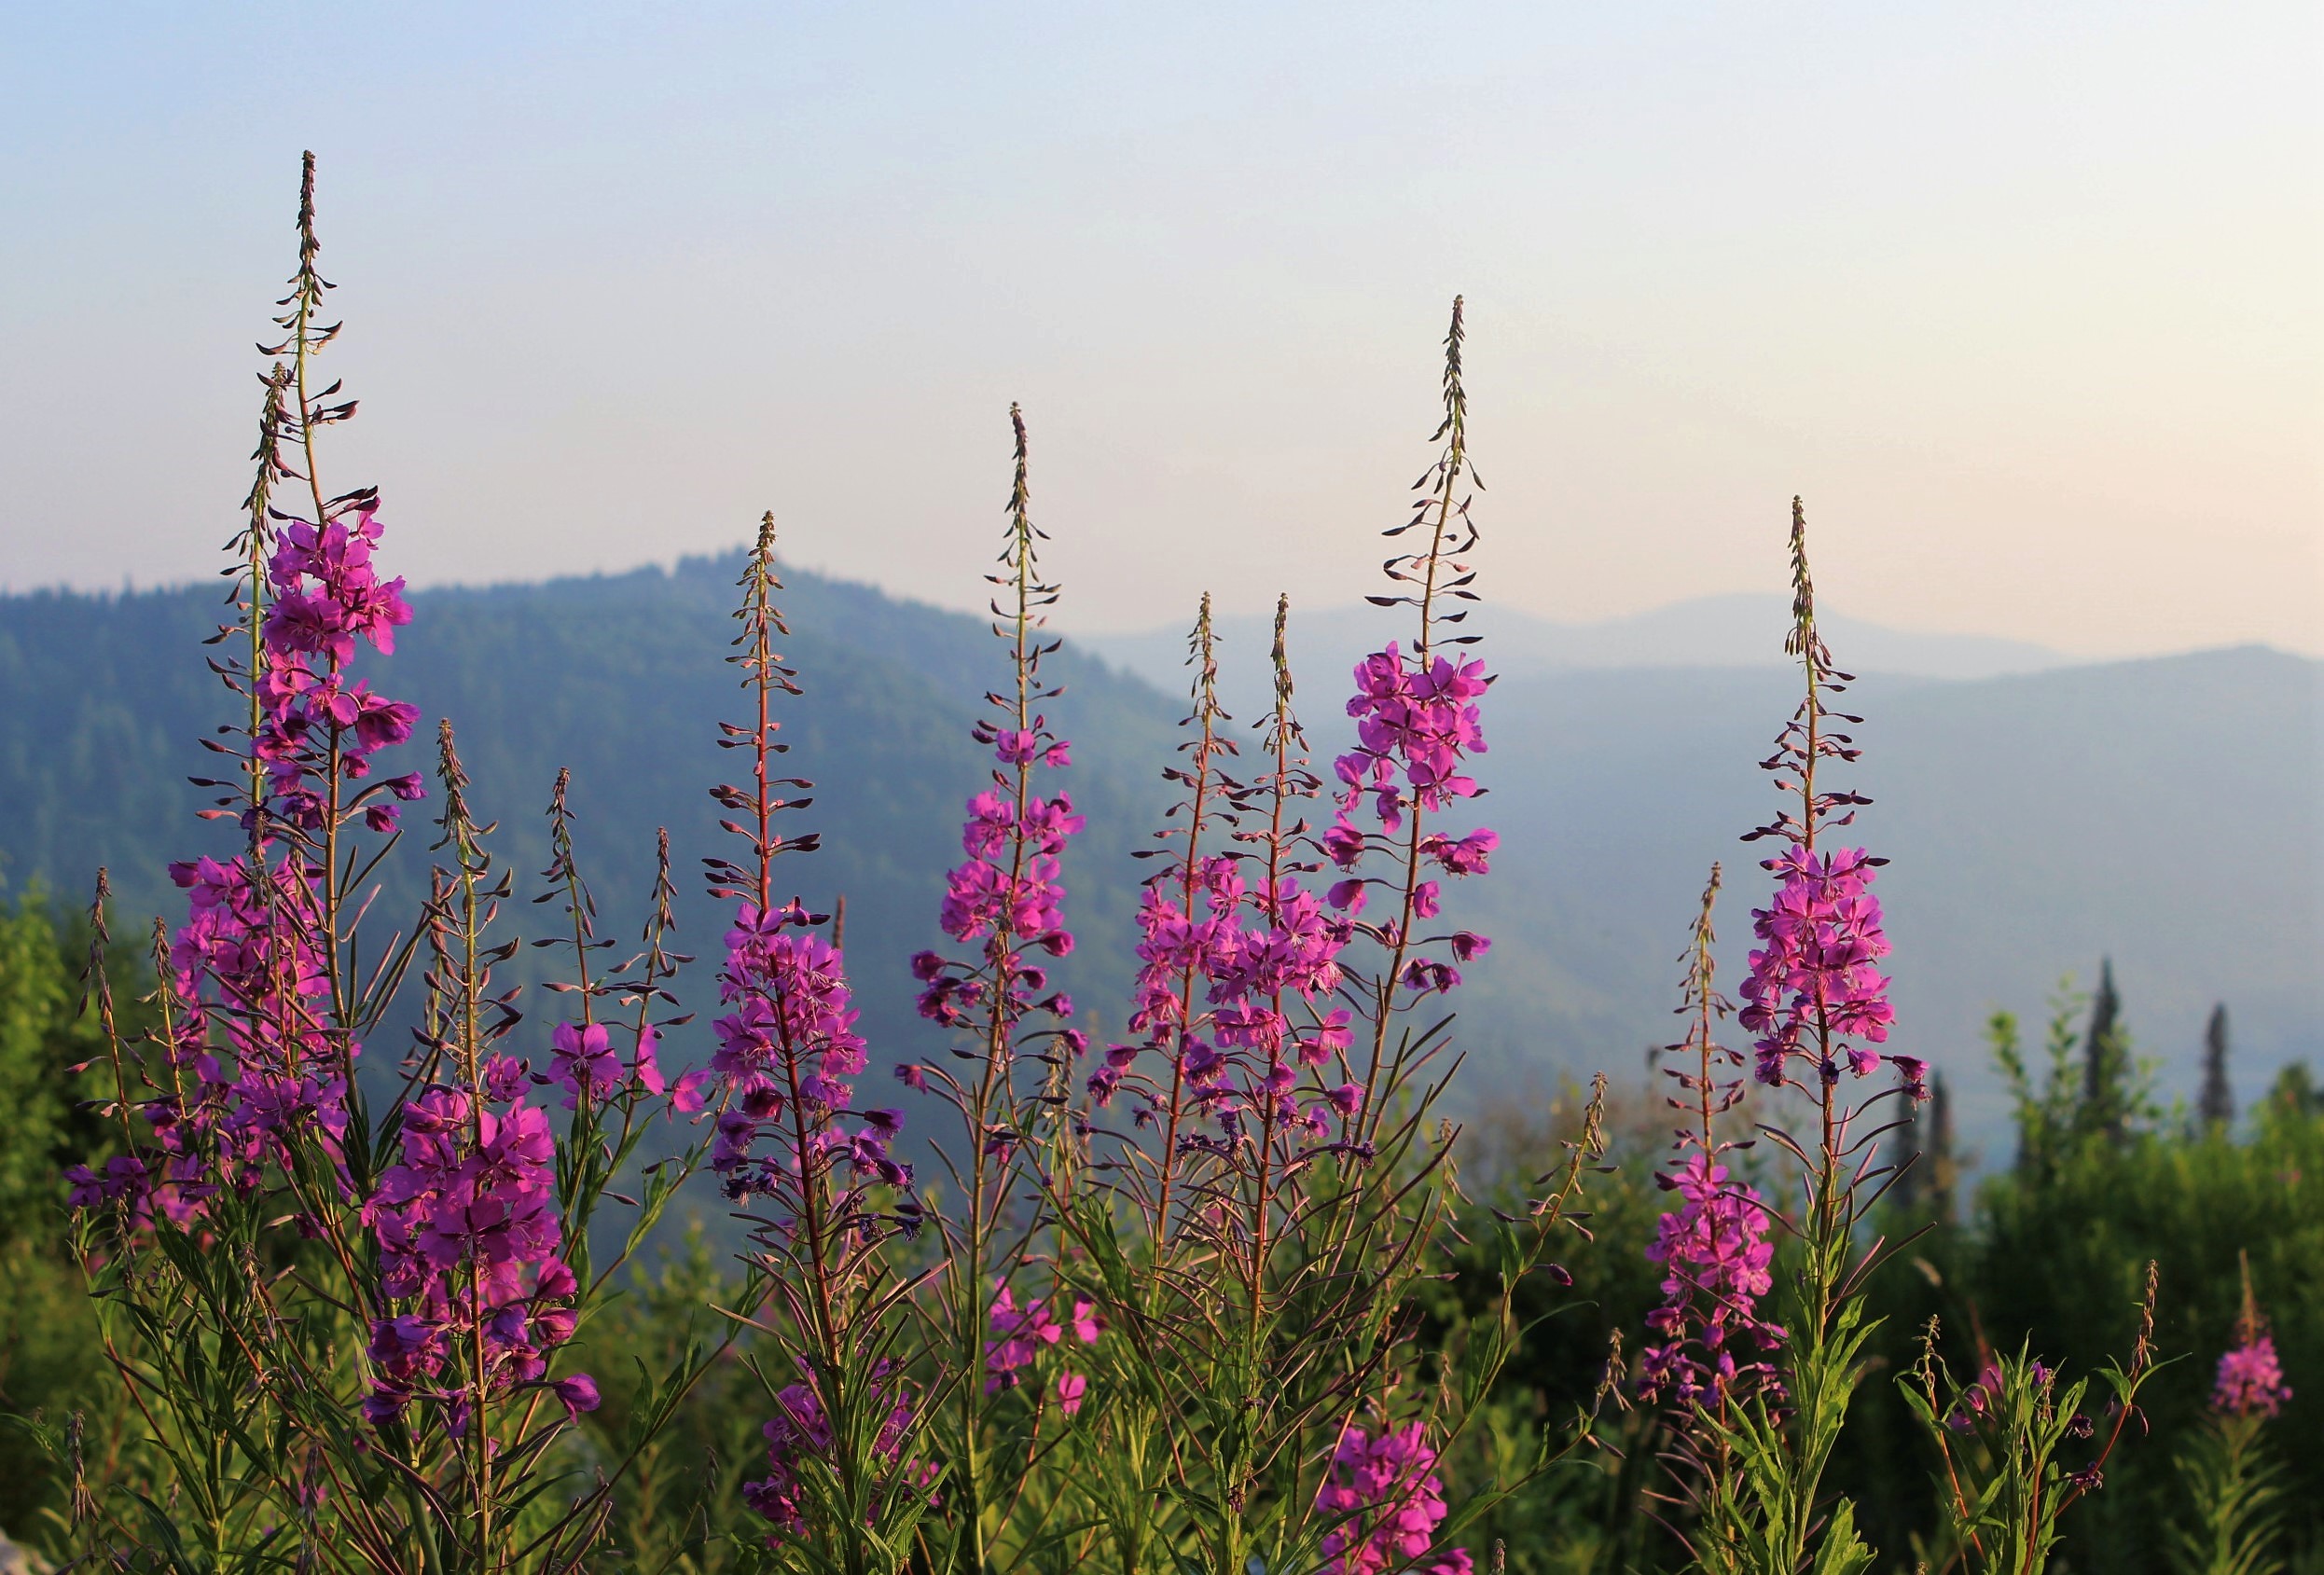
{"points": [[1207, 1296]]}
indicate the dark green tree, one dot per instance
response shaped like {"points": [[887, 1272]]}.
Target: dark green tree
{"points": [[2218, 1105], [2108, 1097], [1925, 1190]]}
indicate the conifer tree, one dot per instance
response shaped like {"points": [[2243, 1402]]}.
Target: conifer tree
{"points": [[1926, 1188], [2106, 1095], [1941, 1165], [2218, 1105]]}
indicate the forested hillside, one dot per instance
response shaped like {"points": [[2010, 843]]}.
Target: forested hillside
{"points": [[2163, 812]]}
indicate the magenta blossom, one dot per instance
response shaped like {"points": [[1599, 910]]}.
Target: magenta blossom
{"points": [[256, 1061], [1716, 1256], [1022, 1333], [2250, 1380], [583, 1062], [1812, 983], [787, 1054], [799, 1428], [469, 1240], [1384, 1500], [1009, 893]]}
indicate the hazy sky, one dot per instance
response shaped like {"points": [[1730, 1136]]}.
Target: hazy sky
{"points": [[2028, 300]]}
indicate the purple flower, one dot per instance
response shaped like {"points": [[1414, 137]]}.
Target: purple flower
{"points": [[582, 1062], [1384, 1501], [256, 1067], [786, 1052], [2250, 1380], [505, 1076], [1716, 1257], [578, 1393], [1022, 1331], [381, 723], [468, 1234], [1813, 982], [798, 1427], [1007, 900]]}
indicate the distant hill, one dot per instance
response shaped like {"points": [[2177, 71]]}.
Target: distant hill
{"points": [[623, 678], [1745, 629], [2167, 812]]}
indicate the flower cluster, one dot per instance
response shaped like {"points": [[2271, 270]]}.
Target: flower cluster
{"points": [[1715, 1254], [585, 1064], [1416, 726], [1239, 1051], [1007, 893], [1006, 900], [249, 981], [1812, 979], [799, 1428], [468, 1233], [1021, 1335], [1414, 720], [246, 967], [2250, 1380], [327, 595], [1386, 1501], [785, 1052]]}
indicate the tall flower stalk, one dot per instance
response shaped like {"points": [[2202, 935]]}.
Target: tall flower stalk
{"points": [[1003, 906], [1817, 1006], [1417, 726], [1254, 1233], [844, 1484], [340, 1304], [1710, 1343], [2233, 1523]]}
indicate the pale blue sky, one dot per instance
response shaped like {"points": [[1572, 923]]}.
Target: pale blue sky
{"points": [[2025, 300]]}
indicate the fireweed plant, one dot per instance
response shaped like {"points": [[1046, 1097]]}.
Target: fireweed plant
{"points": [[1709, 1344], [2233, 1523], [844, 1484], [1256, 1183], [2002, 1440], [986, 1327], [345, 1320], [1160, 1315], [1751, 1431], [1755, 1406]]}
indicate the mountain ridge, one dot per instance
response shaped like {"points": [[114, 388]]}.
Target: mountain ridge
{"points": [[2164, 810], [1742, 628]]}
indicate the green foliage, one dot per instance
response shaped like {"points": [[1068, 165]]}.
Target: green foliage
{"points": [[52, 1365], [2233, 1523], [52, 1370], [2050, 1259], [44, 1036], [2059, 1257], [2004, 1483], [680, 1504]]}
